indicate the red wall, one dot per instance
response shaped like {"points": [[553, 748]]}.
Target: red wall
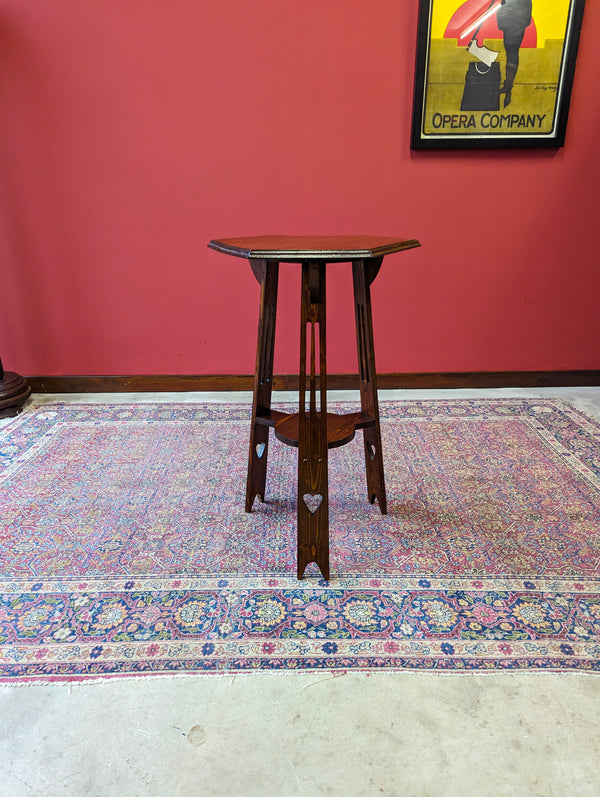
{"points": [[134, 131]]}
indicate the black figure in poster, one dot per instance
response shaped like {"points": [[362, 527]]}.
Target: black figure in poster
{"points": [[513, 17]]}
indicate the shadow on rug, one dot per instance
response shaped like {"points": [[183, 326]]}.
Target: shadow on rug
{"points": [[125, 549]]}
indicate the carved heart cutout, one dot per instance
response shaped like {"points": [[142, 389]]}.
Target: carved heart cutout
{"points": [[313, 502], [260, 449], [372, 450]]}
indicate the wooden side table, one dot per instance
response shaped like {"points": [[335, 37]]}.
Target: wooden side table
{"points": [[313, 430]]}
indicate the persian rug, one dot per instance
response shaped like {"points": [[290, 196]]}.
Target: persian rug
{"points": [[125, 548]]}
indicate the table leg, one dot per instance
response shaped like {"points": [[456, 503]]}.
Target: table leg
{"points": [[267, 274], [313, 497], [363, 273]]}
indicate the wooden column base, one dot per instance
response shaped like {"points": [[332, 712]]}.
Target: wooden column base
{"points": [[14, 392]]}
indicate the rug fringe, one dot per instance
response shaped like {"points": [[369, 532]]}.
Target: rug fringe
{"points": [[332, 675]]}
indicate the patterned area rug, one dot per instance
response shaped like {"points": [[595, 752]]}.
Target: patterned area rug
{"points": [[125, 549]]}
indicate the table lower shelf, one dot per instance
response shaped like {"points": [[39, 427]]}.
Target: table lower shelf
{"points": [[340, 428]]}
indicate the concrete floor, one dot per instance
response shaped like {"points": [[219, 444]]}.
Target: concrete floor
{"points": [[307, 734]]}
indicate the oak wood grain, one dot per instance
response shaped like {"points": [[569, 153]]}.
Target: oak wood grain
{"points": [[341, 428], [297, 248]]}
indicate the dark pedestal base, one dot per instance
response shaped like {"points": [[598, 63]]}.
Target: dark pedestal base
{"points": [[14, 392]]}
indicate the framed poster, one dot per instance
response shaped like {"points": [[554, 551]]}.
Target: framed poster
{"points": [[494, 73]]}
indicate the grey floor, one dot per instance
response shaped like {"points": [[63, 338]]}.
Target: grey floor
{"points": [[296, 734]]}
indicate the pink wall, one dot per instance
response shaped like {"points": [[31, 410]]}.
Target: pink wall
{"points": [[134, 131]]}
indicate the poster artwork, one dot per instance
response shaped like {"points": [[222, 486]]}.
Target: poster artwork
{"points": [[494, 71]]}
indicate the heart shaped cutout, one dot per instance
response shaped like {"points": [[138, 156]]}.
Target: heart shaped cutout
{"points": [[372, 450], [260, 449], [313, 502]]}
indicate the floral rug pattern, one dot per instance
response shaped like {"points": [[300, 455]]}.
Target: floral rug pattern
{"points": [[125, 548]]}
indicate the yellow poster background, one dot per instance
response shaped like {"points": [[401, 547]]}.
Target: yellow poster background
{"points": [[534, 96]]}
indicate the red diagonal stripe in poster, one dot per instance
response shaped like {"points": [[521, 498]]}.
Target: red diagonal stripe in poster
{"points": [[466, 19]]}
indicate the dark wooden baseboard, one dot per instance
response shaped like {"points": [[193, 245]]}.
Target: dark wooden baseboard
{"points": [[225, 382]]}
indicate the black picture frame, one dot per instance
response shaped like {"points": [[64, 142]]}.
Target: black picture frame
{"points": [[474, 109]]}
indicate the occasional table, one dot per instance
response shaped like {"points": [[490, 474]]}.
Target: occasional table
{"points": [[312, 429]]}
